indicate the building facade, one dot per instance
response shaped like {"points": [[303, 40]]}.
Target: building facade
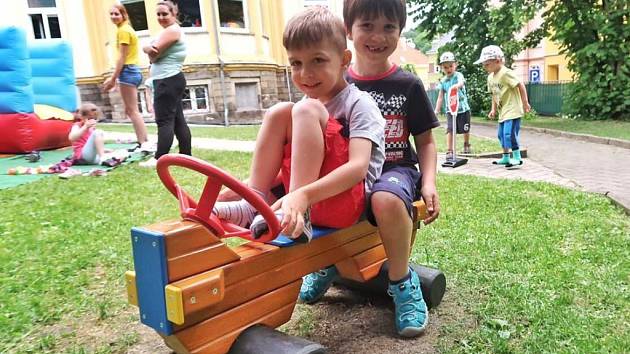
{"points": [[236, 66]]}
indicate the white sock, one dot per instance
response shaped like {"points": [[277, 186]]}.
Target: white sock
{"points": [[238, 212]]}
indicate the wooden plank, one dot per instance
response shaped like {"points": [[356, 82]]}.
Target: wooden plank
{"points": [[268, 261], [362, 266], [200, 260], [222, 345], [193, 293], [260, 284], [188, 238], [242, 316]]}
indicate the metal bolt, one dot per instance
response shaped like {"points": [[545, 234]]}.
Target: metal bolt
{"points": [[161, 324], [154, 244], [193, 300], [215, 291], [144, 317], [135, 239]]}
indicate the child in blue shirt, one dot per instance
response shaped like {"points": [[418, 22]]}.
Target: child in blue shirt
{"points": [[453, 78]]}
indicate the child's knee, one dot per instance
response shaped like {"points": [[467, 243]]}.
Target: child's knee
{"points": [[310, 109], [385, 203], [279, 112]]}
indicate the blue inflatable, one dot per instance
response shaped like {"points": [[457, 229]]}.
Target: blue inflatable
{"points": [[53, 74], [16, 91], [39, 72]]}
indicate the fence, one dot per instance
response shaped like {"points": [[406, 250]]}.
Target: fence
{"points": [[545, 98]]}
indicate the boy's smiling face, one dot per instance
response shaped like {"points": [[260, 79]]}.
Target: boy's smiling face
{"points": [[375, 39], [317, 70]]}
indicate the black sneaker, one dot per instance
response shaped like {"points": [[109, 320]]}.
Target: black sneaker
{"points": [[135, 148]]}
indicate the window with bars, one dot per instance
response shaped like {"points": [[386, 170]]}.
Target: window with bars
{"points": [[137, 14], [44, 19], [195, 98], [232, 13], [189, 13]]}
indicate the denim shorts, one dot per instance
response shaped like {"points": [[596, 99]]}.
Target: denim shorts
{"points": [[130, 75]]}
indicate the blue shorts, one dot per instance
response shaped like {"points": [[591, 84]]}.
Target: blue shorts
{"points": [[130, 75], [401, 181]]}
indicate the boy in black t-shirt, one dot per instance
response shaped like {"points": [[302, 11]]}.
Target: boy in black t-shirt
{"points": [[375, 26]]}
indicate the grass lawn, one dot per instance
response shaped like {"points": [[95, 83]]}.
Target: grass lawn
{"points": [[602, 128], [539, 267], [248, 132], [235, 132]]}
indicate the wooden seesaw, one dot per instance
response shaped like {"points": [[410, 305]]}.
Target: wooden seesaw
{"points": [[201, 295]]}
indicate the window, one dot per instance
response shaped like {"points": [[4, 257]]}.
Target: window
{"points": [[232, 13], [189, 13], [137, 14], [44, 19], [246, 95], [195, 98]]}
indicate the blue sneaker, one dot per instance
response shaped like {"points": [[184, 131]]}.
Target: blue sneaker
{"points": [[315, 285], [412, 316]]}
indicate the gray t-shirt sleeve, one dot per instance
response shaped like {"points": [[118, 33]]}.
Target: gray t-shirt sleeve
{"points": [[366, 120]]}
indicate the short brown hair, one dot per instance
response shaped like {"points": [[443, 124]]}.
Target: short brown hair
{"points": [[88, 107], [394, 10], [312, 26]]}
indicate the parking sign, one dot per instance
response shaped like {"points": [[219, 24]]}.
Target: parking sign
{"points": [[534, 74]]}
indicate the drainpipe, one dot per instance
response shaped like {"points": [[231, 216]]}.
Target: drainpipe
{"points": [[226, 120], [286, 74]]}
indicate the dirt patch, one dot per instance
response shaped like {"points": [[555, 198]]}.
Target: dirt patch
{"points": [[346, 322]]}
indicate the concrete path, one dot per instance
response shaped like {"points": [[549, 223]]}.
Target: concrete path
{"points": [[567, 162], [595, 167]]}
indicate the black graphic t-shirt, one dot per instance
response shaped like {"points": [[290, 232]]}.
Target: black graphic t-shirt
{"points": [[406, 108]]}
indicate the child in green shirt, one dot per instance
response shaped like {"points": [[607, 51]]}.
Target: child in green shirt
{"points": [[509, 98]]}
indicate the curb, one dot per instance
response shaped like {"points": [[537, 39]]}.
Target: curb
{"points": [[617, 202], [490, 155], [575, 136]]}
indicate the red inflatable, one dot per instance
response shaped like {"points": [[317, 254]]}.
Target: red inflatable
{"points": [[26, 132]]}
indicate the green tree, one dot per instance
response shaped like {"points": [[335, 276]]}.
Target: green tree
{"points": [[595, 36], [420, 39], [474, 24]]}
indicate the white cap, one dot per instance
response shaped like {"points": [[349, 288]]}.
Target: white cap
{"points": [[490, 52], [447, 57]]}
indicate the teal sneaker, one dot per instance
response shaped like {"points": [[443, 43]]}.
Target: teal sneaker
{"points": [[504, 160], [411, 312], [315, 285], [516, 159]]}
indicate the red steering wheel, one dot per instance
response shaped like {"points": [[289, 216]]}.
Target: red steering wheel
{"points": [[201, 211]]}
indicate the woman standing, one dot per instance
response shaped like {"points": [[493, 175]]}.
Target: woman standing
{"points": [[127, 72], [167, 53]]}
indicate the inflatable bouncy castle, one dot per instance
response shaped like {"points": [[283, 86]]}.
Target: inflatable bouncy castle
{"points": [[37, 92]]}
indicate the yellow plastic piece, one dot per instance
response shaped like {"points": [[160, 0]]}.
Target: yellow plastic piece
{"points": [[174, 304], [44, 112], [132, 291]]}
